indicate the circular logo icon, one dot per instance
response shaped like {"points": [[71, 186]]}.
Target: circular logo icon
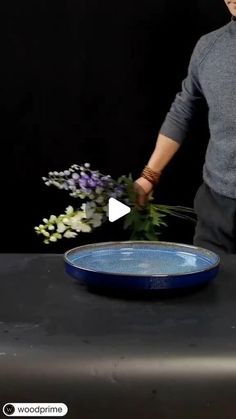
{"points": [[8, 409]]}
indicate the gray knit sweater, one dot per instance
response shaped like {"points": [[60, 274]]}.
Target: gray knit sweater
{"points": [[211, 77]]}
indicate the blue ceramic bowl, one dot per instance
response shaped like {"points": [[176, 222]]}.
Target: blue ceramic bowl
{"points": [[141, 265]]}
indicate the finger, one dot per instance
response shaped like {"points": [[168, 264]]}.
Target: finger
{"points": [[140, 196]]}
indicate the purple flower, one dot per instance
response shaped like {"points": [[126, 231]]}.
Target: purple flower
{"points": [[92, 183], [119, 191], [82, 183], [84, 175], [100, 183]]}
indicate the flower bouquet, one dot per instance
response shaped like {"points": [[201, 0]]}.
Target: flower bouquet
{"points": [[92, 190]]}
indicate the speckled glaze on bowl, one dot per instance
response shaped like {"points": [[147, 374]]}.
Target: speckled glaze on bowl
{"points": [[141, 265]]}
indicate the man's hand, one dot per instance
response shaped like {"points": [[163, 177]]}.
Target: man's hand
{"points": [[143, 188]]}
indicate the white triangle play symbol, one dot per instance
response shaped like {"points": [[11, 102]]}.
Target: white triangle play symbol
{"points": [[116, 209]]}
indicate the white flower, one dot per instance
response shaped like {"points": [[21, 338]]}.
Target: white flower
{"points": [[70, 234], [85, 228], [61, 227], [69, 210], [66, 221], [75, 176], [51, 227], [76, 221], [52, 218], [88, 211], [96, 221], [90, 205], [55, 183], [65, 186], [45, 220], [53, 239], [100, 199]]}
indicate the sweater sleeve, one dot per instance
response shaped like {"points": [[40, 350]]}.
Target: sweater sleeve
{"points": [[185, 105]]}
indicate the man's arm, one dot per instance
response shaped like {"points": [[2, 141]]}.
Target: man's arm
{"points": [[164, 151], [176, 125]]}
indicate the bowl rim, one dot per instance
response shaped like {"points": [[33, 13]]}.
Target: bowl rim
{"points": [[142, 242]]}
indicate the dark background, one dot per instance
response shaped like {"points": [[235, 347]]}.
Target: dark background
{"points": [[91, 80]]}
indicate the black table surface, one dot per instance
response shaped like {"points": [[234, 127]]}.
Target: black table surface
{"points": [[163, 356]]}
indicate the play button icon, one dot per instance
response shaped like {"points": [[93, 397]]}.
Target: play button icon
{"points": [[116, 209]]}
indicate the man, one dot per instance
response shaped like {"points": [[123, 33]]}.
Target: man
{"points": [[211, 77]]}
